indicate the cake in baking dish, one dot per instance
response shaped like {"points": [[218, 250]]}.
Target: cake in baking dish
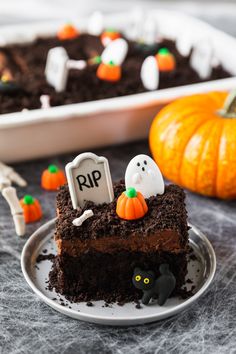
{"points": [[24, 65]]}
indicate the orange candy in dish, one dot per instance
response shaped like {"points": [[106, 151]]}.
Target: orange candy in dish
{"points": [[68, 31], [165, 60]]}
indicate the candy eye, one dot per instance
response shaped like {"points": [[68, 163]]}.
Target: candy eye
{"points": [[146, 281], [138, 164], [145, 162], [138, 278]]}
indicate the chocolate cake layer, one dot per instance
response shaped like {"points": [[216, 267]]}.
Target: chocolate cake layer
{"points": [[26, 62], [108, 277], [165, 213]]}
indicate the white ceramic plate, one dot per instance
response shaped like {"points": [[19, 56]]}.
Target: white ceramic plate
{"points": [[200, 271]]}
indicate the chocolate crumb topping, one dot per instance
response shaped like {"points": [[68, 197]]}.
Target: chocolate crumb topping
{"points": [[27, 61], [165, 211]]}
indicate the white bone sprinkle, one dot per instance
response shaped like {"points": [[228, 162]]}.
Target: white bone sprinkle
{"points": [[86, 214]]}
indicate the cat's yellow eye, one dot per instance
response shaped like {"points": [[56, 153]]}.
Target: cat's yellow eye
{"points": [[138, 278], [146, 281]]}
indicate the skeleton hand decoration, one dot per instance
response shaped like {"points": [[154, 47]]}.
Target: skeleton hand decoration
{"points": [[7, 177], [11, 175]]}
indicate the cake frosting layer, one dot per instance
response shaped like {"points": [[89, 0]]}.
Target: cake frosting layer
{"points": [[166, 240], [163, 227]]}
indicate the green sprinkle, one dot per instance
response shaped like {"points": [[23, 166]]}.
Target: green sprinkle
{"points": [[111, 62], [131, 192], [97, 60], [164, 51], [28, 200], [110, 30], [53, 168]]}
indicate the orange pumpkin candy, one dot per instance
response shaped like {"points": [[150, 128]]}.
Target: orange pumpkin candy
{"points": [[68, 31], [52, 178], [109, 36], [131, 205], [109, 72], [31, 209], [195, 145], [165, 60]]}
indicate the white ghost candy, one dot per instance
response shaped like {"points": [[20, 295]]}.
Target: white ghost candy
{"points": [[184, 42], [150, 31], [150, 73], [135, 29], [95, 23], [115, 51], [144, 175]]}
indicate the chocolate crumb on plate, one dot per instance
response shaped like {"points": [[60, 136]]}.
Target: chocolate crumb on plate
{"points": [[138, 306], [189, 281], [45, 257]]}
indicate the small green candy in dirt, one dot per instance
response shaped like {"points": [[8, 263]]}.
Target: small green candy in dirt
{"points": [[97, 60]]}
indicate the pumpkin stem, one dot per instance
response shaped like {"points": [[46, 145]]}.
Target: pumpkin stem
{"points": [[131, 192], [229, 109], [97, 59], [28, 200], [53, 169], [164, 51]]}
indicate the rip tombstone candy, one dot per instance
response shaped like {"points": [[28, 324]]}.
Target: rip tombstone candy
{"points": [[57, 67], [89, 179], [56, 70]]}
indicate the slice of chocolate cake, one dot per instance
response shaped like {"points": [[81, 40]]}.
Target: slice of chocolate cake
{"points": [[96, 260]]}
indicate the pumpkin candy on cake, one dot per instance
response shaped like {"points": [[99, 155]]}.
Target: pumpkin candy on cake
{"points": [[68, 31], [131, 205]]}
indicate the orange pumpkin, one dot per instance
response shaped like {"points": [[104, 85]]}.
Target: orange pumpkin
{"points": [[67, 32], [109, 72], [194, 143], [52, 178], [31, 209], [165, 60], [131, 205], [109, 35]]}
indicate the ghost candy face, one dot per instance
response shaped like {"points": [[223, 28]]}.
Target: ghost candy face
{"points": [[143, 174]]}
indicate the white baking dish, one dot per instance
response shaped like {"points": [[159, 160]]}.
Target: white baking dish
{"points": [[38, 133]]}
